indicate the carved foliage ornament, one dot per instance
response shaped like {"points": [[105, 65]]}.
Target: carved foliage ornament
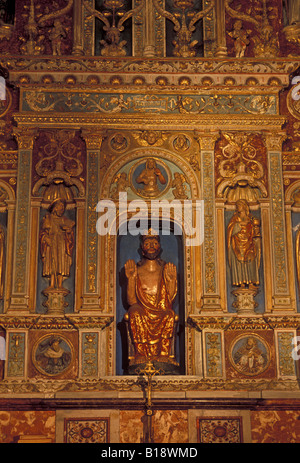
{"points": [[184, 46], [112, 45], [241, 167], [59, 166]]}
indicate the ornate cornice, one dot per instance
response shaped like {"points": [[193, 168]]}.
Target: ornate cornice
{"points": [[236, 323], [169, 121], [130, 67], [49, 388], [45, 322]]}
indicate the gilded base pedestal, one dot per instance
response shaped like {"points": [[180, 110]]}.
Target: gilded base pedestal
{"points": [[56, 300], [245, 303], [164, 368]]}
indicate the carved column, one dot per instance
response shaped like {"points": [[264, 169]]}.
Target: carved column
{"points": [[77, 28], [149, 18], [20, 297], [280, 269], [211, 290], [91, 288], [220, 29]]}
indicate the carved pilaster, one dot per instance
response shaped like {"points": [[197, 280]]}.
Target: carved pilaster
{"points": [[91, 295], [20, 298], [281, 272], [211, 291]]}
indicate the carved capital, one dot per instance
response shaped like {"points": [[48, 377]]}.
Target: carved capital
{"points": [[93, 138], [274, 140], [206, 140], [25, 137]]}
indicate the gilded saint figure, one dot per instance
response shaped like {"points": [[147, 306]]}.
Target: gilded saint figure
{"points": [[150, 177], [57, 243], [244, 246], [57, 33], [151, 289]]}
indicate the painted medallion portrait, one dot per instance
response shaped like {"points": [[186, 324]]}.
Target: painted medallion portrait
{"points": [[52, 355], [249, 355], [150, 178]]}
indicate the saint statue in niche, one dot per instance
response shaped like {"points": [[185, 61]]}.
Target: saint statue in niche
{"points": [[151, 290], [244, 246], [57, 244]]}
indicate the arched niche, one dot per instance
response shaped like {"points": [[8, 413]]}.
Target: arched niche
{"points": [[174, 164], [58, 173], [117, 245], [253, 193], [128, 247]]}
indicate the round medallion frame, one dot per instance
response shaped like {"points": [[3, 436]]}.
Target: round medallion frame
{"points": [[43, 339], [259, 340], [159, 162]]}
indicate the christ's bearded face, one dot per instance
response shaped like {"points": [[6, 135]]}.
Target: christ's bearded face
{"points": [[151, 248]]}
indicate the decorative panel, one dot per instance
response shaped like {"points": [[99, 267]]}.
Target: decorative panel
{"points": [[213, 354], [219, 430], [86, 431], [89, 353], [285, 345], [16, 354]]}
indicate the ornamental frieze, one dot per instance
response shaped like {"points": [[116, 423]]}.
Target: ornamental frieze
{"points": [[160, 103]]}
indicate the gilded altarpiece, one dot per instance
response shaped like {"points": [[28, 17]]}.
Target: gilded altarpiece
{"points": [[211, 120]]}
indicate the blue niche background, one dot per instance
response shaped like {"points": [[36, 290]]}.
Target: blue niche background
{"points": [[100, 33], [128, 247], [295, 223], [197, 34], [259, 298], [43, 282]]}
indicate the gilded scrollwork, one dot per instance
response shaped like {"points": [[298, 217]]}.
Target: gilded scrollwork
{"points": [[59, 167], [241, 167], [112, 45], [184, 46], [50, 101]]}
